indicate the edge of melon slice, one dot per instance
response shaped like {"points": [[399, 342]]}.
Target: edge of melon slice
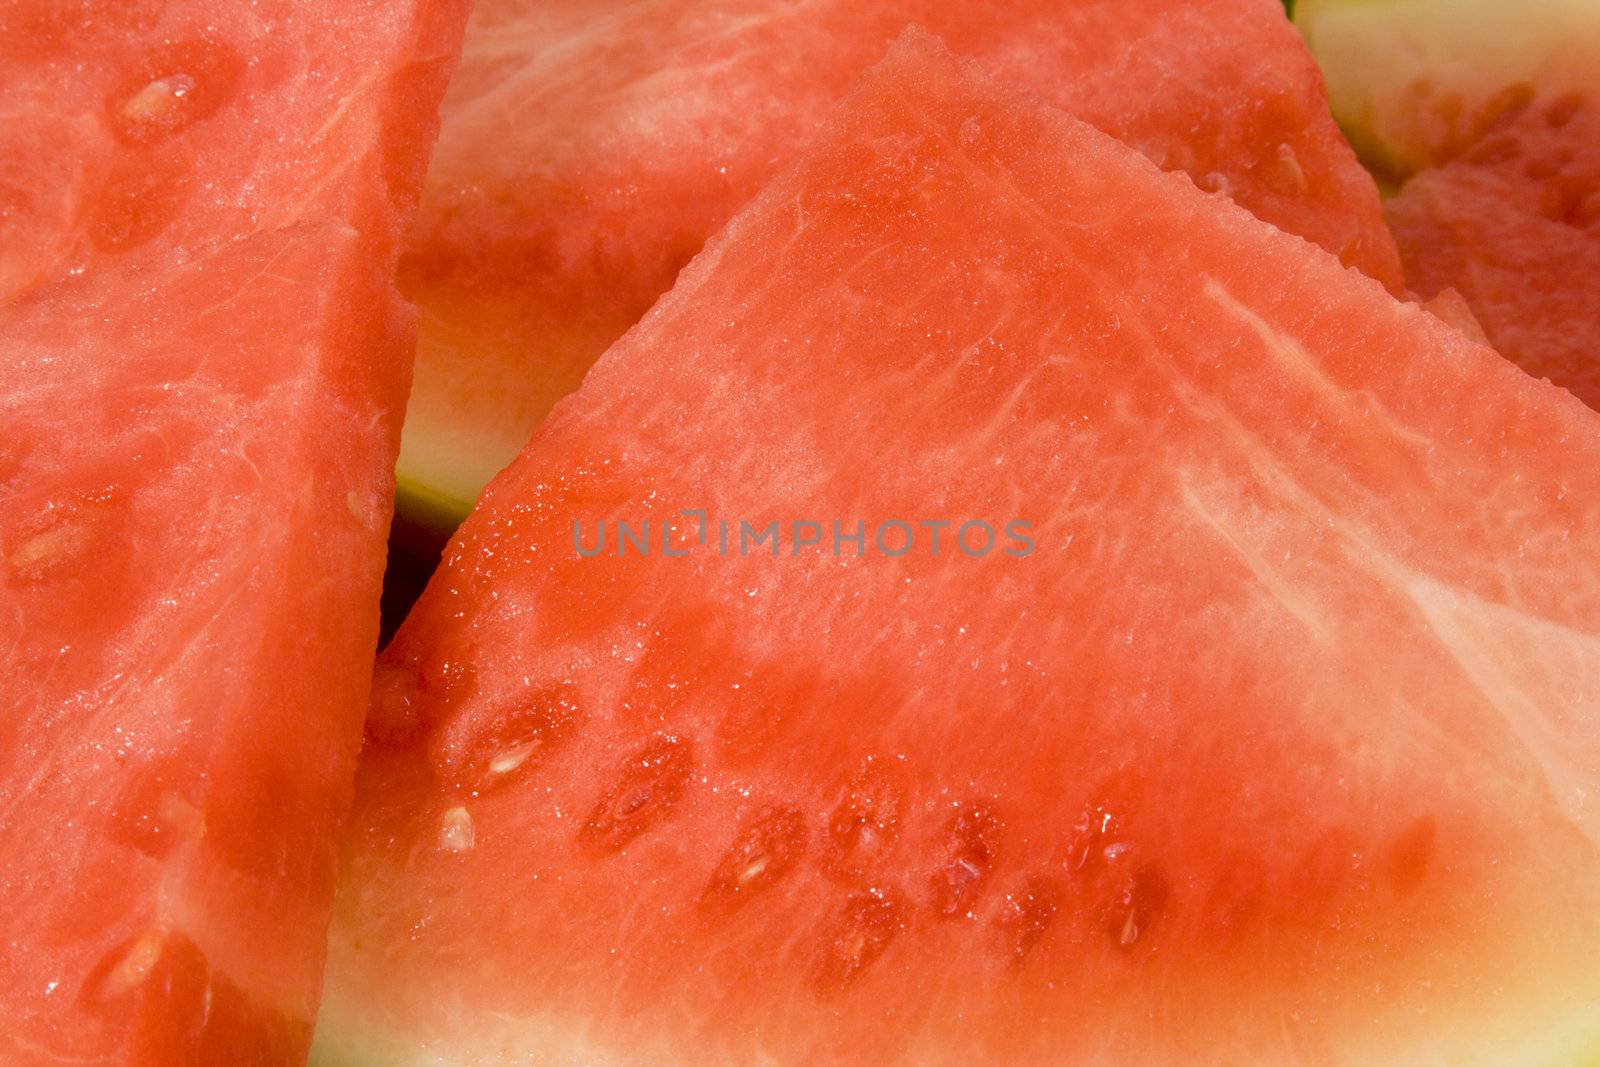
{"points": [[1414, 82]]}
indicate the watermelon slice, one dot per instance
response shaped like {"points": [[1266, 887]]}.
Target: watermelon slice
{"points": [[591, 146], [203, 361], [1272, 736], [1514, 225], [1417, 82], [1498, 106]]}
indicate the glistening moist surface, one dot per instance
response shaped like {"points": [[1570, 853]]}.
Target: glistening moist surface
{"points": [[590, 147], [203, 363], [1280, 748]]}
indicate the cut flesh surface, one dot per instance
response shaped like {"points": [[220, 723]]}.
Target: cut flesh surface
{"points": [[203, 363], [1514, 225], [1280, 747], [590, 147]]}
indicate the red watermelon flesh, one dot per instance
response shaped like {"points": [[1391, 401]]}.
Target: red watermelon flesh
{"points": [[1281, 747], [1514, 224], [591, 147], [1453, 308], [203, 362]]}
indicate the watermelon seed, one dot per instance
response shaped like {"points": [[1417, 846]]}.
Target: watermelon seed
{"points": [[56, 544], [971, 838], [180, 816], [363, 507], [1472, 133], [1029, 913], [158, 108], [173, 88], [649, 786], [764, 852], [1096, 840], [1563, 110], [1289, 165], [514, 757], [394, 711], [1498, 148], [1137, 907], [866, 822], [1565, 202], [134, 966], [1541, 169], [484, 746], [456, 833], [859, 936]]}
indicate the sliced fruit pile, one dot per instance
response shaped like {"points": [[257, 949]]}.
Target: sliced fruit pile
{"points": [[590, 149], [1034, 562], [1265, 739]]}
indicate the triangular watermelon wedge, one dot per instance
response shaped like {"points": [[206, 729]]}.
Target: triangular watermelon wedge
{"points": [[203, 362], [1514, 225], [590, 147], [1271, 737]]}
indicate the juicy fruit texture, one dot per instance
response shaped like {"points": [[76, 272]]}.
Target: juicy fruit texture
{"points": [[203, 362], [1514, 224], [1417, 82], [1281, 747], [590, 147]]}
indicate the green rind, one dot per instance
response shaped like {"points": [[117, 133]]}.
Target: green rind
{"points": [[1413, 82]]}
